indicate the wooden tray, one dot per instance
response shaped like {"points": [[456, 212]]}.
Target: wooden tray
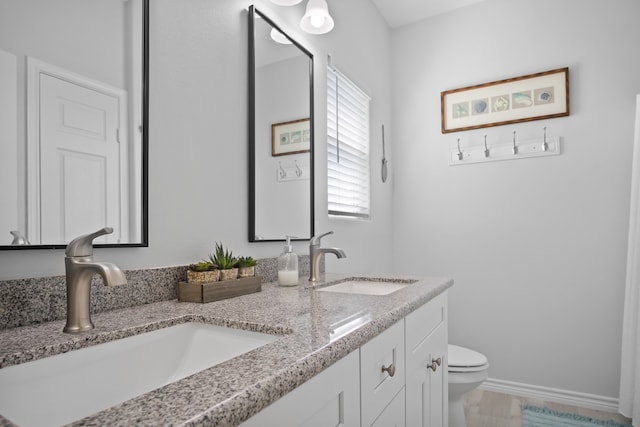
{"points": [[215, 291]]}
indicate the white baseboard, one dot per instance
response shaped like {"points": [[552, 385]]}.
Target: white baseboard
{"points": [[566, 397]]}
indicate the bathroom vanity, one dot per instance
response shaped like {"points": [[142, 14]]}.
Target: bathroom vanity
{"points": [[359, 359], [403, 367]]}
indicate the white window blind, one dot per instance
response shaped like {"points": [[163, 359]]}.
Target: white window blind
{"points": [[348, 147]]}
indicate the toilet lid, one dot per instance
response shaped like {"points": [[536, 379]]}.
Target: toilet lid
{"points": [[464, 357]]}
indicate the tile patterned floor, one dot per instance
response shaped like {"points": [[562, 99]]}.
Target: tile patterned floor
{"points": [[490, 409]]}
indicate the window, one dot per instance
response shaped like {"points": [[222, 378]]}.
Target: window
{"points": [[348, 174]]}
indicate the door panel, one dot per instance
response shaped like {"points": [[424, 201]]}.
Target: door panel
{"points": [[80, 161]]}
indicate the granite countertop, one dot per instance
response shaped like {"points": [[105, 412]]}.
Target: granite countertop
{"points": [[232, 391]]}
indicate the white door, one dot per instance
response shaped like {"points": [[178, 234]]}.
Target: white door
{"points": [[79, 161]]}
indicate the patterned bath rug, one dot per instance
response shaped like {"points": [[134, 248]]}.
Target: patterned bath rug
{"points": [[534, 416]]}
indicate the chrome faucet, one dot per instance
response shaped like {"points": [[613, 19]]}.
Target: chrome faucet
{"points": [[80, 268], [19, 238], [316, 252]]}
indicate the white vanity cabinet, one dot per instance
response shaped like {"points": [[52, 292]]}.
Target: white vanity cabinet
{"points": [[426, 337], [331, 398], [382, 366], [393, 380]]}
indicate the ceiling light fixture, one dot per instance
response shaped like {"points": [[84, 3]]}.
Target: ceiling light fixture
{"points": [[278, 37], [316, 19], [286, 2]]}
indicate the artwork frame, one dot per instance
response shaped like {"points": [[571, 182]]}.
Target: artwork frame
{"points": [[535, 96], [292, 137]]}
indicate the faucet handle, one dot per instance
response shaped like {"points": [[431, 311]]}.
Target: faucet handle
{"points": [[315, 240], [83, 245]]}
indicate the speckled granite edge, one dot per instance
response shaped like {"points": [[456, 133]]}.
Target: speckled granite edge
{"points": [[43, 299]]}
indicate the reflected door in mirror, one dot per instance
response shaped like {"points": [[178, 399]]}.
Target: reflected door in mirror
{"points": [[80, 161]]}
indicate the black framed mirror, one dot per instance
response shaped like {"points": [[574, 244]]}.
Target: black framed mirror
{"points": [[74, 91], [281, 123]]}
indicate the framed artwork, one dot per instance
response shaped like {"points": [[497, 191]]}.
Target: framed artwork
{"points": [[532, 97], [291, 137]]}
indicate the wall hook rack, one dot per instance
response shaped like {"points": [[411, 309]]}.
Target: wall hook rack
{"points": [[292, 171], [514, 150]]}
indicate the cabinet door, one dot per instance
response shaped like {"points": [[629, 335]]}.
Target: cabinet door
{"points": [[331, 398], [381, 371], [426, 387], [393, 415]]}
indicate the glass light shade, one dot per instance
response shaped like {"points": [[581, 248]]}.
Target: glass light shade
{"points": [[286, 2], [278, 37], [316, 19]]}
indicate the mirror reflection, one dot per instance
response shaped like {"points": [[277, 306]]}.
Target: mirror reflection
{"points": [[72, 120], [281, 134]]}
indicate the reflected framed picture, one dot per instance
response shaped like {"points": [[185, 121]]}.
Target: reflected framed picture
{"points": [[532, 97], [291, 137]]}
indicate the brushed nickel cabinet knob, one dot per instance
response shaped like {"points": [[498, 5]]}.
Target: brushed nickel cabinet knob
{"points": [[391, 370], [434, 364]]}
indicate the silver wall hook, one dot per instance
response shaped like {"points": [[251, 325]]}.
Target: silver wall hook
{"points": [[486, 149], [282, 172], [460, 155], [545, 145], [515, 147], [298, 170]]}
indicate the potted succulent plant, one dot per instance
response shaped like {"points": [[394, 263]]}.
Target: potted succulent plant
{"points": [[246, 266], [202, 272], [223, 266], [224, 260]]}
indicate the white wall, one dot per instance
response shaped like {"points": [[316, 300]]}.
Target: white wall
{"points": [[198, 136], [62, 32], [537, 247], [8, 147]]}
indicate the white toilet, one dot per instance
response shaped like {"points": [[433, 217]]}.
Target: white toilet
{"points": [[467, 370]]}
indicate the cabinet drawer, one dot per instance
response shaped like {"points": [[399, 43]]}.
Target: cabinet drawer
{"points": [[378, 386], [424, 321]]}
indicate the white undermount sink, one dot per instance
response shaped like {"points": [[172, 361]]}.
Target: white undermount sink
{"points": [[367, 286], [63, 388]]}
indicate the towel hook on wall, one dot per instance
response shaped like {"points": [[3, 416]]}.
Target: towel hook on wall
{"points": [[506, 150], [383, 171], [486, 149]]}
